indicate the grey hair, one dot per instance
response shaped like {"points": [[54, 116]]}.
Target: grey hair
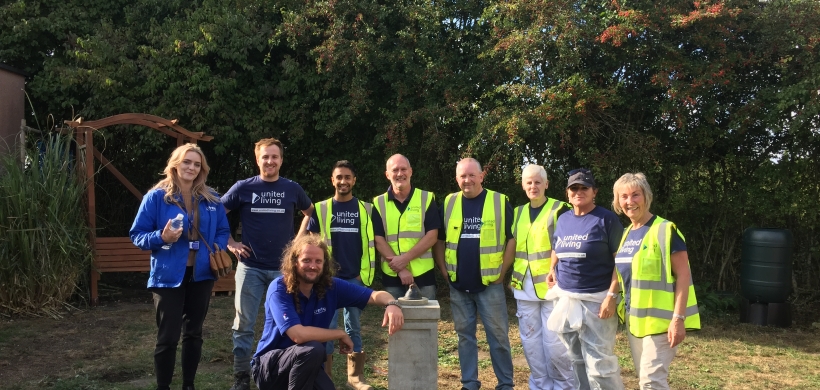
{"points": [[533, 169]]}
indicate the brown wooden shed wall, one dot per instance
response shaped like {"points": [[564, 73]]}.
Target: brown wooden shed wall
{"points": [[12, 108]]}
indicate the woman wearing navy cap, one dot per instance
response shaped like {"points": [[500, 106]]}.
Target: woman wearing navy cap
{"points": [[584, 284]]}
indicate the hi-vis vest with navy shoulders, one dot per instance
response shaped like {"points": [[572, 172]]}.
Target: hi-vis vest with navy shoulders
{"points": [[324, 214], [491, 240], [652, 291], [403, 230], [533, 245]]}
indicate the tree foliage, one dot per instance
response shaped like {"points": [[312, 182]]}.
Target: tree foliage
{"points": [[715, 100]]}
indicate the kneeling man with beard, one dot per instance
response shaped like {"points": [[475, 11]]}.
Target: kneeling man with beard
{"points": [[298, 310]]}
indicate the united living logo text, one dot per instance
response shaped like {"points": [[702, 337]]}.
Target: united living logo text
{"points": [[268, 197], [344, 218]]}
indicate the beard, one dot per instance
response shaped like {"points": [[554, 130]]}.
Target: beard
{"points": [[302, 277], [269, 174], [343, 190]]}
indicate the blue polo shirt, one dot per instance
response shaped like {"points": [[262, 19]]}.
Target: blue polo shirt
{"points": [[584, 245], [432, 220], [281, 314], [345, 235], [267, 211]]}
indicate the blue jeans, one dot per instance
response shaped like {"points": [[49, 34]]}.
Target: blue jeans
{"points": [[251, 287], [491, 304], [352, 324]]}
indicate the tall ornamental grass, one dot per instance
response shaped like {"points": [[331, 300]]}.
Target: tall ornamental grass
{"points": [[44, 241]]}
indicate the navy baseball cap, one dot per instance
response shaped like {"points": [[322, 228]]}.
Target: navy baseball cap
{"points": [[581, 176]]}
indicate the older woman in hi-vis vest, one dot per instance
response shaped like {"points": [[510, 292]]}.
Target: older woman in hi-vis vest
{"points": [[584, 285], [533, 226], [659, 302]]}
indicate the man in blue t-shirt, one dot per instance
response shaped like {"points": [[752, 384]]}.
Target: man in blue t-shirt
{"points": [[266, 204], [299, 307], [475, 249], [346, 225]]}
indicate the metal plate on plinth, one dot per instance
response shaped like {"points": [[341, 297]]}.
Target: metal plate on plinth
{"points": [[412, 302]]}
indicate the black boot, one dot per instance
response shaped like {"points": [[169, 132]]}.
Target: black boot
{"points": [[242, 381]]}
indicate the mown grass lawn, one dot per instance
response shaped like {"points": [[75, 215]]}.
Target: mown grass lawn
{"points": [[110, 347]]}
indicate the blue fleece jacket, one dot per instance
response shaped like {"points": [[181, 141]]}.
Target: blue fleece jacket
{"points": [[168, 265]]}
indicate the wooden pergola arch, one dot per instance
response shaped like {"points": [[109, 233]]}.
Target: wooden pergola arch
{"points": [[87, 152], [118, 254]]}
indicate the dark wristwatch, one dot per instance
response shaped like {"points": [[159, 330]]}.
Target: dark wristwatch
{"points": [[392, 303]]}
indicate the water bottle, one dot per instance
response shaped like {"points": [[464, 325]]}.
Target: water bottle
{"points": [[176, 224]]}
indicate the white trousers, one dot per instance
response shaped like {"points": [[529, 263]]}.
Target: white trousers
{"points": [[550, 367], [651, 356], [590, 340]]}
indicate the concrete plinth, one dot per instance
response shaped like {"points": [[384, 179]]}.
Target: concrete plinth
{"points": [[413, 351]]}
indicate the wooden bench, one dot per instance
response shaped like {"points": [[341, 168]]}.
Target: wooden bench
{"points": [[118, 254]]}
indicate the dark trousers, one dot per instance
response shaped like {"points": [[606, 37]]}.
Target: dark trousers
{"points": [[180, 310], [298, 367]]}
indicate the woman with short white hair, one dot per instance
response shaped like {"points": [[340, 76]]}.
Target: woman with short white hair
{"points": [[659, 302], [533, 226]]}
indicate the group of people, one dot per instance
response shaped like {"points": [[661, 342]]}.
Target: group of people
{"points": [[574, 271]]}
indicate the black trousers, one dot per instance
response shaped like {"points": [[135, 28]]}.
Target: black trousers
{"points": [[180, 310], [298, 367]]}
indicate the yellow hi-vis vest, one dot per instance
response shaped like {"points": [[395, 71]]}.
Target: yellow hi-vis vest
{"points": [[403, 230], [533, 245], [324, 214], [652, 290], [491, 240]]}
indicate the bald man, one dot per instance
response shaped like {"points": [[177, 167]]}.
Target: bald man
{"points": [[475, 249], [406, 229]]}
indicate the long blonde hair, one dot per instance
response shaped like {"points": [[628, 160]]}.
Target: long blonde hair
{"points": [[171, 181]]}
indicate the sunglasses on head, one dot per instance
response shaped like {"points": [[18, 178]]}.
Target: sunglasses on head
{"points": [[581, 170]]}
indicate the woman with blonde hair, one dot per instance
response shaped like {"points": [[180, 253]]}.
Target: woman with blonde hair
{"points": [[181, 280], [659, 302]]}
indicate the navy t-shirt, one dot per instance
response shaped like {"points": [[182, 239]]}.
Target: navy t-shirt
{"points": [[468, 271], [345, 235], [534, 211], [432, 220], [266, 210], [584, 245], [281, 314], [634, 238]]}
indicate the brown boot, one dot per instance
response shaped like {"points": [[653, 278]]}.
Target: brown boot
{"points": [[329, 366], [355, 372]]}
